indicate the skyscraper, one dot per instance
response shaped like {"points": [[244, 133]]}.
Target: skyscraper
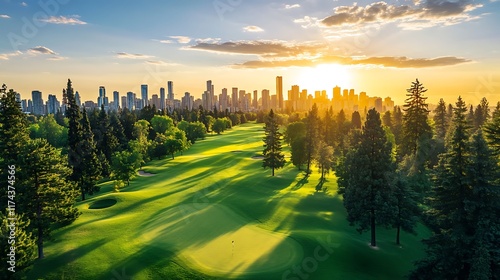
{"points": [[38, 108], [102, 96], [116, 100], [78, 100], [266, 100], [144, 95], [223, 100], [131, 101], [210, 96], [52, 104], [234, 100], [162, 98], [279, 91], [170, 95]]}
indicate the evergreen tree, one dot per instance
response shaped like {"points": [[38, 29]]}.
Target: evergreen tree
{"points": [[408, 210], [365, 181], [312, 136], [91, 167], [484, 211], [298, 148], [356, 120], [447, 248], [273, 158], [415, 125], [387, 119], [25, 245], [118, 132], [441, 120], [75, 134], [492, 133], [106, 142], [397, 123], [47, 197], [324, 160], [482, 113], [13, 136]]}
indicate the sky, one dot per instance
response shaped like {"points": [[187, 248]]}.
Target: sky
{"points": [[452, 47]]}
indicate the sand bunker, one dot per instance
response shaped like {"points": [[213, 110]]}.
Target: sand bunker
{"points": [[145, 174]]}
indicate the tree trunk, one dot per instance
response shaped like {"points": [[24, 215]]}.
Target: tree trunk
{"points": [[397, 234], [40, 231], [372, 217], [273, 172]]}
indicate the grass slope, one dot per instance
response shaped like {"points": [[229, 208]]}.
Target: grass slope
{"points": [[180, 224]]}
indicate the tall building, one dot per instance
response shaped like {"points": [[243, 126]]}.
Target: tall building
{"points": [[102, 96], [187, 101], [234, 100], [170, 86], [210, 96], [52, 104], [78, 100], [38, 108], [155, 101], [124, 102], [223, 100], [116, 100], [131, 101], [255, 101], [162, 99], [279, 92], [266, 100], [144, 95]]}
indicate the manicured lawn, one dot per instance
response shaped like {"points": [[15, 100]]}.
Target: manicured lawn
{"points": [[181, 224]]}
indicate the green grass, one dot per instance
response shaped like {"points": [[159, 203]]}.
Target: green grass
{"points": [[180, 224]]}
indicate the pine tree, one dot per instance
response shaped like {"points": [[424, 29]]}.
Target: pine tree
{"points": [[415, 125], [25, 244], [13, 136], [47, 197], [356, 120], [484, 210], [408, 210], [312, 136], [492, 133], [365, 179], [441, 120], [447, 248], [324, 160], [75, 134], [106, 141], [118, 132], [91, 167], [273, 158]]}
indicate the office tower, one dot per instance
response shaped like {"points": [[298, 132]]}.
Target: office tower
{"points": [[131, 101], [124, 102], [255, 101], [210, 96], [102, 96], [234, 100], [378, 104], [155, 101], [274, 102], [266, 100], [162, 99], [336, 94], [223, 100], [30, 106], [52, 104], [78, 100], [170, 86], [242, 101], [18, 97], [187, 101], [24, 105], [144, 96], [293, 97], [116, 100], [388, 104], [302, 104], [279, 91], [38, 108]]}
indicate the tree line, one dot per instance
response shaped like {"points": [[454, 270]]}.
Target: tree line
{"points": [[406, 167]]}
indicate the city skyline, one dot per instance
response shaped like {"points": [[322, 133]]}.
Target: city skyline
{"points": [[376, 47]]}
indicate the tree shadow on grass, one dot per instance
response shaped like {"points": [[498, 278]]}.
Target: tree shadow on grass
{"points": [[301, 182]]}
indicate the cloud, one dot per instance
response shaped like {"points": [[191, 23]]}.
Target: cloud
{"points": [[208, 40], [263, 48], [181, 39], [132, 55], [7, 56], [72, 20], [166, 41], [387, 61], [4, 16], [425, 13], [57, 58], [24, 4], [252, 28], [41, 50], [293, 6], [160, 63]]}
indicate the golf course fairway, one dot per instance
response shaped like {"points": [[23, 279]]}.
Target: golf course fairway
{"points": [[181, 220]]}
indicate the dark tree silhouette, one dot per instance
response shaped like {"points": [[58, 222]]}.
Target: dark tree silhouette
{"points": [[273, 157]]}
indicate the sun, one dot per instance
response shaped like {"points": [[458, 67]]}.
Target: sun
{"points": [[324, 77]]}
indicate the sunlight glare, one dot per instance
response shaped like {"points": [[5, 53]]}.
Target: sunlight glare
{"points": [[324, 77]]}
